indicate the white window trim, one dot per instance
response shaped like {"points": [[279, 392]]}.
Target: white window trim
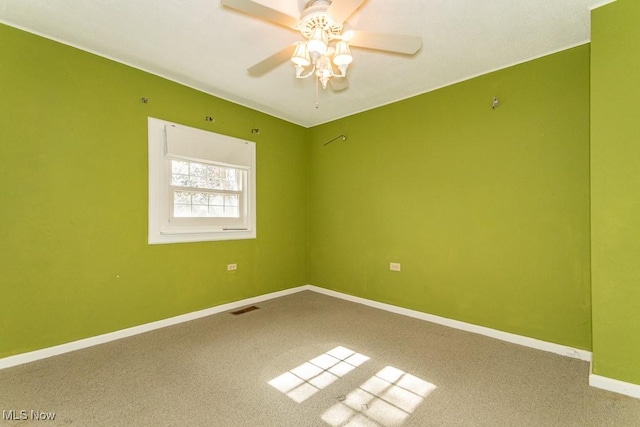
{"points": [[160, 231]]}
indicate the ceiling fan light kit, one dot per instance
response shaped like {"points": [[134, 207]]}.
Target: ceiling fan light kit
{"points": [[320, 30], [325, 46]]}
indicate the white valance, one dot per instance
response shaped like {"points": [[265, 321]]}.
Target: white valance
{"points": [[187, 143]]}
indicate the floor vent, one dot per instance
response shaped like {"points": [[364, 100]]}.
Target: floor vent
{"points": [[244, 310]]}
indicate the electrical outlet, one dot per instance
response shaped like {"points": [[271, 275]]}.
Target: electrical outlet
{"points": [[394, 266], [231, 267]]}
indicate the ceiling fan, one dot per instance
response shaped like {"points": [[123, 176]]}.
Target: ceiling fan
{"points": [[326, 44]]}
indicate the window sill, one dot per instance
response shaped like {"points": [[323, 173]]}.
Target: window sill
{"points": [[195, 236]]}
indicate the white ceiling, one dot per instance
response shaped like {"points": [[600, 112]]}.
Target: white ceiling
{"points": [[204, 45]]}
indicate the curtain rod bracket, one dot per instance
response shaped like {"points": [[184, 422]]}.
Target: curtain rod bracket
{"points": [[344, 138]]}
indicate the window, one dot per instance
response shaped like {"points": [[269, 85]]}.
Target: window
{"points": [[201, 185], [200, 190]]}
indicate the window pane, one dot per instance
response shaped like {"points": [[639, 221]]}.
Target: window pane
{"points": [[231, 211], [199, 182], [216, 211], [180, 180], [199, 211], [216, 199], [230, 181], [200, 199], [213, 173], [182, 198], [200, 175], [180, 167], [231, 200], [182, 211], [201, 204], [197, 169]]}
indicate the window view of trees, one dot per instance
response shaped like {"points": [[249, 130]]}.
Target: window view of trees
{"points": [[205, 191]]}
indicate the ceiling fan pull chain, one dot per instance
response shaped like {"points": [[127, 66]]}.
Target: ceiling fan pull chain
{"points": [[317, 92]]}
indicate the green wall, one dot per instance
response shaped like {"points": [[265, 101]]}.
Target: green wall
{"points": [[486, 210], [615, 196], [74, 258]]}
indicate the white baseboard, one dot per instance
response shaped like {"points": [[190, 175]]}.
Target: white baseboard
{"points": [[32, 356], [616, 386], [597, 381], [456, 324]]}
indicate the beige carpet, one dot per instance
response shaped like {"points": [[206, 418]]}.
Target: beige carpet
{"points": [[310, 360]]}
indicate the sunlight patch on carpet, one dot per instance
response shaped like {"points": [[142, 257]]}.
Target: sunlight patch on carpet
{"points": [[302, 382], [386, 399]]}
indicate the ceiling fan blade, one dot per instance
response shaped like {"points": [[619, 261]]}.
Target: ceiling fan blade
{"points": [[381, 41], [263, 12], [271, 62], [338, 83], [340, 10]]}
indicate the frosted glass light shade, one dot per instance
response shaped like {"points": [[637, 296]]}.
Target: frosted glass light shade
{"points": [[301, 55], [343, 54], [317, 44]]}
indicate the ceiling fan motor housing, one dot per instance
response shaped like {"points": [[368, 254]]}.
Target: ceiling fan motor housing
{"points": [[315, 16]]}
